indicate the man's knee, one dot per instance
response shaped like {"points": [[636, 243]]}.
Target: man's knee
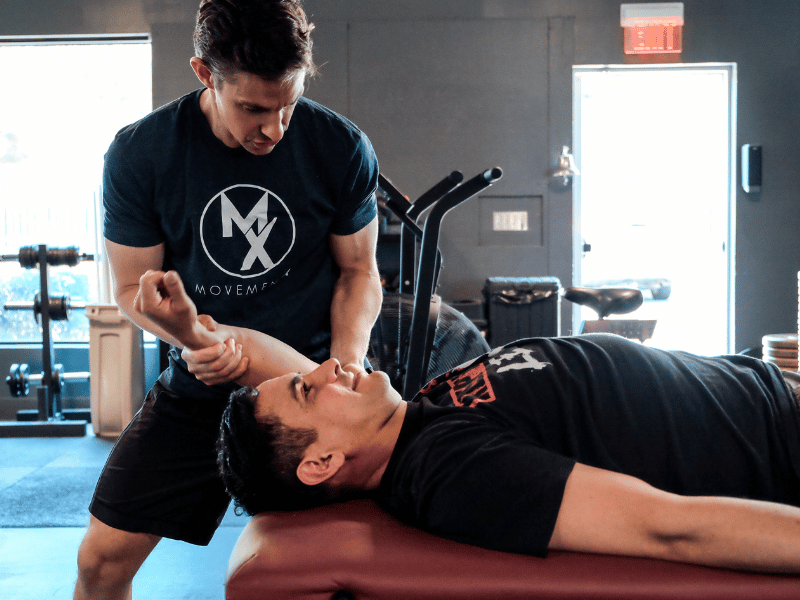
{"points": [[108, 557]]}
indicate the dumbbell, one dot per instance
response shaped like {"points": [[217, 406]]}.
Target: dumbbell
{"points": [[59, 307], [19, 379], [28, 256]]}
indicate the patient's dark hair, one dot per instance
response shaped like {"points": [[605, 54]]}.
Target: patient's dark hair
{"points": [[258, 459], [268, 38]]}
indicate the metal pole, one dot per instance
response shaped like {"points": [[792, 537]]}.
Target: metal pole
{"points": [[52, 398]]}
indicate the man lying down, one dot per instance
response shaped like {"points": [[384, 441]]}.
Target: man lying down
{"points": [[591, 444]]}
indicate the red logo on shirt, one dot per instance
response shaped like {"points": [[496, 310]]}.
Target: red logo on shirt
{"points": [[471, 387]]}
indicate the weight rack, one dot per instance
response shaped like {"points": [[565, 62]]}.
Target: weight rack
{"points": [[49, 419]]}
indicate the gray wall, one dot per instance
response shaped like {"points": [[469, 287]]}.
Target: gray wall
{"points": [[760, 37]]}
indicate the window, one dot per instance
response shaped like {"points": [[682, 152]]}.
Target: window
{"points": [[63, 101]]}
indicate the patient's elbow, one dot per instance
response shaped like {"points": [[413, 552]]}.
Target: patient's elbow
{"points": [[676, 530], [676, 547]]}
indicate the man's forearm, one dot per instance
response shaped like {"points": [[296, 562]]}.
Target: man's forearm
{"points": [[739, 534], [267, 356], [356, 304], [162, 299], [611, 513]]}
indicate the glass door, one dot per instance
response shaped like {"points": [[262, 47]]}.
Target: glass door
{"points": [[654, 202]]}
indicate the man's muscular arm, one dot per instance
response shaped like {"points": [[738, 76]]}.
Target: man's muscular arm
{"points": [[162, 299], [357, 296], [215, 364]]}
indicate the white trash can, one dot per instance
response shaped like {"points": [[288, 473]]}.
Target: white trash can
{"points": [[116, 358]]}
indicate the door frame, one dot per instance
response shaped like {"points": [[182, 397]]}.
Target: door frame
{"points": [[729, 71]]}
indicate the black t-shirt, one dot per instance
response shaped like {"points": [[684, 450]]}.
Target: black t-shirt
{"points": [[486, 449], [249, 235]]}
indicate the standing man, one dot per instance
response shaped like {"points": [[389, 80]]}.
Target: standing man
{"points": [[270, 226]]}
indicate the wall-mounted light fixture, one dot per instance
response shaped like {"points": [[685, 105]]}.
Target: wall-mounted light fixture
{"points": [[653, 27], [566, 165]]}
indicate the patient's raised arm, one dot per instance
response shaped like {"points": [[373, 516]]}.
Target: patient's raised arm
{"points": [[163, 299]]}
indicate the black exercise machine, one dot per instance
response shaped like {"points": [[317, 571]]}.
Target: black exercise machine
{"points": [[415, 343]]}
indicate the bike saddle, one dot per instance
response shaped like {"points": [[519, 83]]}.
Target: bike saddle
{"points": [[606, 301]]}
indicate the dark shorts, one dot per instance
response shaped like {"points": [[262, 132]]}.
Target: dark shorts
{"points": [[161, 477]]}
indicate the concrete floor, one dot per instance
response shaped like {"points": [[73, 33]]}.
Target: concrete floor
{"points": [[39, 563]]}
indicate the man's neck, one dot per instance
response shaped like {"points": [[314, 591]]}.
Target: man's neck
{"points": [[209, 108], [373, 457]]}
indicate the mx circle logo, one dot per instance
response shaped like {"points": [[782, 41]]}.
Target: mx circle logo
{"points": [[246, 231]]}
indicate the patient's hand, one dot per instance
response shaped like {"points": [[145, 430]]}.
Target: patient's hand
{"points": [[162, 299]]}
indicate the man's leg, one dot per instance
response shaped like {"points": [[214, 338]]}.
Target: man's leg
{"points": [[160, 480], [108, 559]]}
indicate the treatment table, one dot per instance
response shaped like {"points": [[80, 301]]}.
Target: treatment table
{"points": [[354, 550]]}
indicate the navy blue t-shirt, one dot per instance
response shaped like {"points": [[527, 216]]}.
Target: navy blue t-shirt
{"points": [[486, 449], [249, 235]]}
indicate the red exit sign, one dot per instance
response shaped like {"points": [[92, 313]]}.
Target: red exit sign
{"points": [[653, 28]]}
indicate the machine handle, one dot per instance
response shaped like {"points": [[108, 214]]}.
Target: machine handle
{"points": [[434, 194]]}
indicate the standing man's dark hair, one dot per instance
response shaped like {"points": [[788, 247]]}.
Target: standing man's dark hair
{"points": [[226, 29]]}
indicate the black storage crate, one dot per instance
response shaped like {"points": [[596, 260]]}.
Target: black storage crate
{"points": [[522, 307]]}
